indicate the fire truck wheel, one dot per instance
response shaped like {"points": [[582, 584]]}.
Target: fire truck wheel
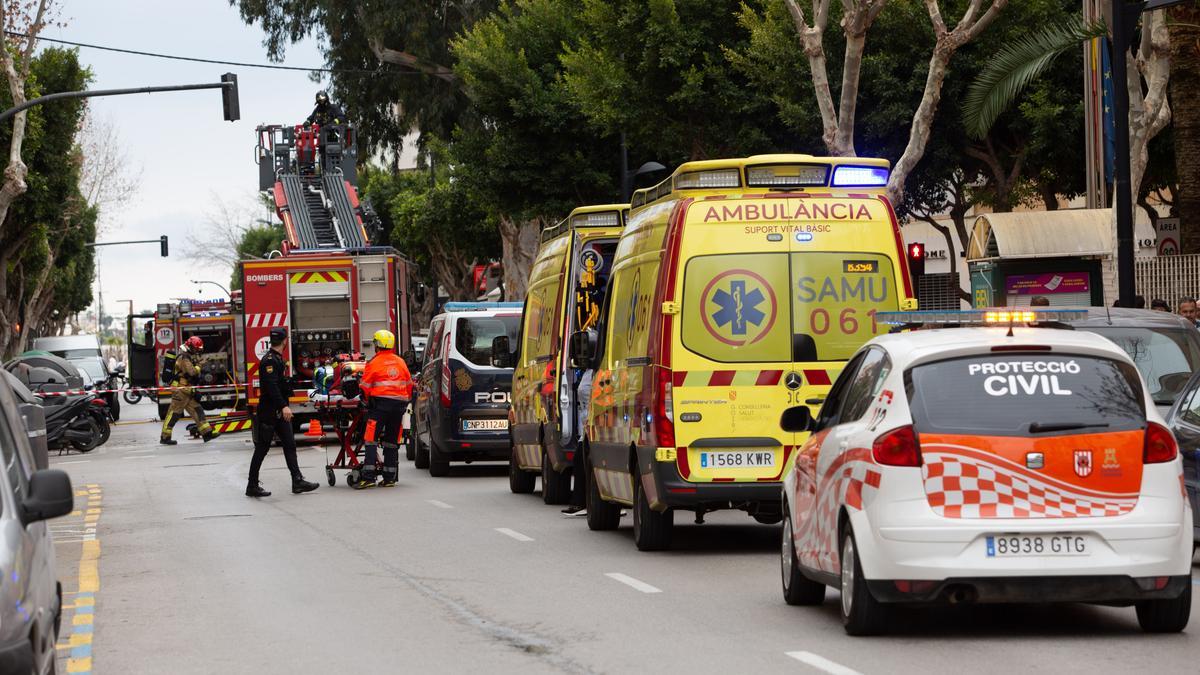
{"points": [[439, 464]]}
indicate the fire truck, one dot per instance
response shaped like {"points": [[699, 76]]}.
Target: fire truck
{"points": [[331, 287], [218, 323]]}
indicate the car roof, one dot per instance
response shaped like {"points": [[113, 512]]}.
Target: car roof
{"points": [[476, 313], [1125, 316], [913, 347]]}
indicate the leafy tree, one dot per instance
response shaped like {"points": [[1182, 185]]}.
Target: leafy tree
{"points": [[257, 241]]}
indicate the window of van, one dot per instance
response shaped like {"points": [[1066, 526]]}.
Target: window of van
{"points": [[473, 336], [746, 307]]}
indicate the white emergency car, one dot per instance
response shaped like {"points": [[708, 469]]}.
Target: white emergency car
{"points": [[987, 464]]}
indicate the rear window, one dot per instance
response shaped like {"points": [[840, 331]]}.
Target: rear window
{"points": [[1025, 395], [747, 307], [473, 336], [1165, 357]]}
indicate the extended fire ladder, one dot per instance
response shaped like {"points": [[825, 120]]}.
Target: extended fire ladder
{"points": [[310, 172]]}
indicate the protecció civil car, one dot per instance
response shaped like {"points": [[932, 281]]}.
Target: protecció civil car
{"points": [[988, 464]]}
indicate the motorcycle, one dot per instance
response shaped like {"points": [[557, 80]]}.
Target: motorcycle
{"points": [[70, 421], [99, 410]]}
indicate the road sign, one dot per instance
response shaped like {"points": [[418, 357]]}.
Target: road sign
{"points": [[1168, 236]]}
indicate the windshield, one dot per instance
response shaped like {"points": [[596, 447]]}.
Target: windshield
{"points": [[73, 354], [92, 366], [1025, 395], [818, 306], [474, 335], [1166, 357]]}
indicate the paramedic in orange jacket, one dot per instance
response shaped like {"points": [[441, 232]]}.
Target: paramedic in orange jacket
{"points": [[387, 388]]}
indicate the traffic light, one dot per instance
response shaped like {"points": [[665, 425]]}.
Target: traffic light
{"points": [[229, 100], [916, 259], [162, 245]]}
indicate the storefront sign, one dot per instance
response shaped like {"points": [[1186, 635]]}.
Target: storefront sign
{"points": [[1044, 284]]}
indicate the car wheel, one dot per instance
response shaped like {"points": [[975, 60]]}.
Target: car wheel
{"points": [[556, 487], [1166, 616], [421, 453], [862, 614], [601, 515], [520, 482], [651, 529], [439, 464], [797, 588]]}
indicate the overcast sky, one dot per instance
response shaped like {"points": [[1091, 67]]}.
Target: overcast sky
{"points": [[185, 152]]}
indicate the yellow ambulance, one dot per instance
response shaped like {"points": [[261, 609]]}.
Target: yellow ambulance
{"points": [[739, 289], [566, 290]]}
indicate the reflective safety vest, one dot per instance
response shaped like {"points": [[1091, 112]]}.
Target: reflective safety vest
{"points": [[386, 376]]}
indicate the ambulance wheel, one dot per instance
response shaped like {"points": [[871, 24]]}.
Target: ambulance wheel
{"points": [[797, 588], [330, 477], [520, 482], [601, 515], [439, 464], [420, 453], [409, 452], [1166, 616], [862, 614], [556, 487], [651, 529]]}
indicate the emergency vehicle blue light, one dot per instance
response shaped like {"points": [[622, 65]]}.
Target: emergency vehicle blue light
{"points": [[860, 176], [980, 317], [480, 306]]}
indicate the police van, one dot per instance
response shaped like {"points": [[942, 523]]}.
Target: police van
{"points": [[566, 291], [461, 400], [739, 289]]}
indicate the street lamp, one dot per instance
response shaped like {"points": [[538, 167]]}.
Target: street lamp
{"points": [[202, 281], [627, 176]]}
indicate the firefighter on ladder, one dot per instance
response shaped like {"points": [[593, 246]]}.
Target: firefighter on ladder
{"points": [[386, 387], [183, 397]]}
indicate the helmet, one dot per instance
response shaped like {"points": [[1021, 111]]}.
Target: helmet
{"points": [[385, 339], [194, 343], [322, 98]]}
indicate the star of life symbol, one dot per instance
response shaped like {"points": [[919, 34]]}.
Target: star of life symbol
{"points": [[738, 307]]}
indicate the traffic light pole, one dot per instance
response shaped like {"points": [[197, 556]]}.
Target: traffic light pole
{"points": [[161, 241], [229, 95]]}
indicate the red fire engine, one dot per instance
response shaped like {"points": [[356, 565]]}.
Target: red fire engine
{"points": [[219, 324]]}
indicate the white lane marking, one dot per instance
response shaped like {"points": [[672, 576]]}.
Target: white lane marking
{"points": [[139, 456], [74, 461], [513, 533], [822, 663], [439, 504], [633, 583]]}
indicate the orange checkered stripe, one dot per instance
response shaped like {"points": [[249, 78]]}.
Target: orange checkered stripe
{"points": [[317, 277]]}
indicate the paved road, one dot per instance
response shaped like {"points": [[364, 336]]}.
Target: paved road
{"points": [[456, 574]]}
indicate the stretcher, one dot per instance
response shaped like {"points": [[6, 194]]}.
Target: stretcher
{"points": [[348, 419]]}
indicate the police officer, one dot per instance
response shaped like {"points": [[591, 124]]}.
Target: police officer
{"points": [[183, 397], [326, 112], [387, 387], [274, 418]]}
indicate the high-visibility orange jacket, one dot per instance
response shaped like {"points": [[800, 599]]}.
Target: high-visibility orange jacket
{"points": [[386, 376]]}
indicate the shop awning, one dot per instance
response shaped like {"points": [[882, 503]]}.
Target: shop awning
{"points": [[1041, 234]]}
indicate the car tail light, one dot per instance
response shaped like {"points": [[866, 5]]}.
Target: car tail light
{"points": [[664, 412], [1160, 445], [445, 393], [897, 447]]}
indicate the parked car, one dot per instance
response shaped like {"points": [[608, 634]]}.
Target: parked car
{"points": [[30, 596], [1165, 347], [461, 401], [83, 351], [1184, 421]]}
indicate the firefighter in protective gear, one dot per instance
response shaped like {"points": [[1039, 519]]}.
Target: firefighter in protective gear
{"points": [[387, 388], [183, 397], [326, 112]]}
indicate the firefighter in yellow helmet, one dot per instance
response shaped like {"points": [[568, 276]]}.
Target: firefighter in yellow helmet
{"points": [[183, 397], [387, 388]]}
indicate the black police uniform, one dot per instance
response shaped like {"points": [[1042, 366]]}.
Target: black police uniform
{"points": [[275, 389]]}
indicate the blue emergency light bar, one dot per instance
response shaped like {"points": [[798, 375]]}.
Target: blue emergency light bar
{"points": [[480, 306], [981, 317], [860, 176]]}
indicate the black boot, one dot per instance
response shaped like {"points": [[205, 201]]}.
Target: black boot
{"points": [[168, 441], [255, 489], [299, 485], [389, 476], [210, 435]]}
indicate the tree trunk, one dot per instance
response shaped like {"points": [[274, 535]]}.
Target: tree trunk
{"points": [[1185, 109], [520, 243]]}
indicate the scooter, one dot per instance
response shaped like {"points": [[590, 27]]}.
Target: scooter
{"points": [[70, 421], [103, 415]]}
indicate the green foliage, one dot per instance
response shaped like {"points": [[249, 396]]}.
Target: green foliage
{"points": [[257, 242], [1016, 65]]}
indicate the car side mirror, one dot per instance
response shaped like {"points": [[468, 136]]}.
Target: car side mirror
{"points": [[501, 352], [583, 349], [50, 496], [797, 419]]}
